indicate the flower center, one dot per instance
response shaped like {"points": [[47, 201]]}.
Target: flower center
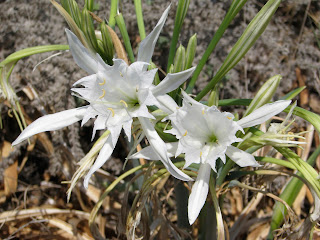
{"points": [[213, 138]]}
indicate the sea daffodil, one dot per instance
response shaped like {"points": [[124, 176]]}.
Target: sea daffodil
{"points": [[206, 134], [117, 94]]}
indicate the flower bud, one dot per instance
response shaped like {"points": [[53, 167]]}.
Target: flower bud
{"points": [[156, 80], [214, 97], [179, 59], [107, 43], [191, 51], [89, 5], [171, 69], [265, 94], [88, 29], [75, 12]]}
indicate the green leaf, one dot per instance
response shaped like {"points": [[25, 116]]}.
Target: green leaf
{"points": [[182, 9], [113, 13], [142, 32], [125, 36], [289, 194], [235, 7], [14, 57], [255, 28], [293, 93]]}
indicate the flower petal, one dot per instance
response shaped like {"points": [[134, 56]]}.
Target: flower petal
{"points": [[263, 113], [166, 103], [103, 156], [160, 149], [146, 47], [52, 122], [172, 81], [148, 153], [199, 192], [242, 158], [81, 55]]}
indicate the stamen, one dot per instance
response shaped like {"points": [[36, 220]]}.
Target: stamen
{"points": [[120, 74], [103, 83], [290, 138], [202, 111], [103, 93], [111, 111], [229, 118], [10, 113], [185, 134], [200, 154], [124, 103]]}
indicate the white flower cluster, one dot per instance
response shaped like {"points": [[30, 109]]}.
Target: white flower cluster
{"points": [[119, 93]]}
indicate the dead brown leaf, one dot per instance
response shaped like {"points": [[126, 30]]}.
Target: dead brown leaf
{"points": [[11, 179]]}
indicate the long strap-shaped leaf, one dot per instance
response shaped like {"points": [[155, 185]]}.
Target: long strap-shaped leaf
{"points": [[248, 38]]}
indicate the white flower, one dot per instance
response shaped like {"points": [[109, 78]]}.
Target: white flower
{"points": [[117, 94], [280, 134], [206, 134]]}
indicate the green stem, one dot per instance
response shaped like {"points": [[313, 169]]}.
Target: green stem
{"points": [[253, 31], [94, 212], [113, 13], [125, 36], [180, 15], [142, 32], [220, 227], [235, 7]]}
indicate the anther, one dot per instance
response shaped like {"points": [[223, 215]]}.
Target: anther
{"points": [[229, 118], [103, 83], [185, 134], [202, 111], [124, 103], [103, 93], [200, 154], [111, 111], [120, 74]]}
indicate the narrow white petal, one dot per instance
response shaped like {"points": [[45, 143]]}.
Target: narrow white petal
{"points": [[160, 149], [115, 132], [99, 123], [188, 99], [172, 81], [81, 55], [127, 129], [242, 158], [103, 156], [263, 113], [199, 192], [52, 122], [146, 47], [148, 153], [166, 103]]}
